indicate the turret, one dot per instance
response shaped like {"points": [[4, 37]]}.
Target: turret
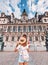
{"points": [[24, 16]]}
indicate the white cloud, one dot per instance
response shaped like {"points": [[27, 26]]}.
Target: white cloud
{"points": [[23, 5], [30, 15], [4, 7], [30, 3], [40, 7], [33, 7], [17, 12]]}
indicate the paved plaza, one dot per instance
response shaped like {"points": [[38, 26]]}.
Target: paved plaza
{"points": [[36, 58]]}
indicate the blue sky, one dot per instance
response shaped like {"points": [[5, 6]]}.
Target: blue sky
{"points": [[17, 7]]}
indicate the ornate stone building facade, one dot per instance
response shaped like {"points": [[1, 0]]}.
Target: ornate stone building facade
{"points": [[12, 28]]}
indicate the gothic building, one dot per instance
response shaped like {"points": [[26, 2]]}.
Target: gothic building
{"points": [[35, 28]]}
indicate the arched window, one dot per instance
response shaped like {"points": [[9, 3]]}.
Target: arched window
{"points": [[7, 37], [45, 20], [42, 38], [18, 38], [36, 38], [12, 38]]}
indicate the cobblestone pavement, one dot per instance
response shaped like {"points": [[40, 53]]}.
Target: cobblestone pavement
{"points": [[36, 58]]}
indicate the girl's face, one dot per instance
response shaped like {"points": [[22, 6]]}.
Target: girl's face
{"points": [[24, 44], [25, 37]]}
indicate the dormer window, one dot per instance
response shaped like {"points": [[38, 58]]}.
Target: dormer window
{"points": [[45, 20], [46, 13], [2, 14]]}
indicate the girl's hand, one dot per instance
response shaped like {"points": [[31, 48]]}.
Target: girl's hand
{"points": [[15, 50], [29, 50]]}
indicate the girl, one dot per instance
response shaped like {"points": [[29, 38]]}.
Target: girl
{"points": [[25, 36], [22, 47]]}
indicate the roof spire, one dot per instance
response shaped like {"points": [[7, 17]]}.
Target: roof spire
{"points": [[24, 13]]}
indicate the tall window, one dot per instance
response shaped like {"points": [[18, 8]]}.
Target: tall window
{"points": [[14, 28], [42, 37], [36, 38], [1, 29], [12, 38], [30, 38], [44, 28], [47, 28], [7, 37], [4, 28], [9, 29], [34, 27], [24, 28], [29, 28], [19, 28], [18, 38], [39, 28]]}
